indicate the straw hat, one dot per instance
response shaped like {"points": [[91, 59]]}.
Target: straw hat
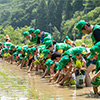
{"points": [[7, 37]]}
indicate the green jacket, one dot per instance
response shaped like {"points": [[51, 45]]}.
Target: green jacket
{"points": [[46, 34], [98, 64], [93, 38], [63, 46], [34, 39]]}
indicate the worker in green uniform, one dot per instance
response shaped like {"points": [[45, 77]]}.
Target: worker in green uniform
{"points": [[87, 28], [33, 37], [95, 53], [60, 47], [42, 35]]}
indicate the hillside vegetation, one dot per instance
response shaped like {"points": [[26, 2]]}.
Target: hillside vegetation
{"points": [[59, 17]]}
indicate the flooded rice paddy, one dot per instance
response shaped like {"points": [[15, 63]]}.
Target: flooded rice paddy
{"points": [[17, 84]]}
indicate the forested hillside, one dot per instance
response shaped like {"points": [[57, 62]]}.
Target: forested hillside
{"points": [[58, 17]]}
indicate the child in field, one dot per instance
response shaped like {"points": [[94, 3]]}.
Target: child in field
{"points": [[65, 65], [68, 40], [48, 64], [54, 69], [80, 67], [47, 55]]}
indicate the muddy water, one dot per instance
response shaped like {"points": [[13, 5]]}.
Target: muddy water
{"points": [[16, 84]]}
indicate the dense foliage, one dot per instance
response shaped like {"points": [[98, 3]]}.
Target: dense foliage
{"points": [[58, 17]]}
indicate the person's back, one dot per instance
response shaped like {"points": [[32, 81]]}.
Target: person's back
{"points": [[96, 34]]}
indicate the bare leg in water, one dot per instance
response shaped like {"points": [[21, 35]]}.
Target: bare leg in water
{"points": [[95, 89], [88, 78], [60, 77]]}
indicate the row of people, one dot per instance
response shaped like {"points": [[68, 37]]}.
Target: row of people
{"points": [[64, 63]]}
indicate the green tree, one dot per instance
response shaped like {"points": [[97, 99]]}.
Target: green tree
{"points": [[96, 3], [56, 34], [42, 17], [77, 5], [89, 5], [59, 12], [4, 1], [68, 9], [52, 9], [15, 35]]}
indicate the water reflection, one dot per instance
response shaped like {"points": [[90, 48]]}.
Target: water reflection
{"points": [[18, 85]]}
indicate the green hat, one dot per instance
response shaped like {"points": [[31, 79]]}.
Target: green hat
{"points": [[15, 53], [3, 49], [28, 50], [37, 31], [92, 50], [4, 43], [64, 60], [8, 43], [63, 46], [31, 30], [0, 43], [68, 52], [97, 44], [32, 50], [48, 43], [24, 49], [84, 52], [78, 50], [6, 49], [49, 63], [10, 49], [45, 51], [18, 49], [67, 38], [12, 46], [80, 25], [42, 48], [74, 58], [25, 34], [97, 50], [18, 46], [25, 46], [46, 39]]}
